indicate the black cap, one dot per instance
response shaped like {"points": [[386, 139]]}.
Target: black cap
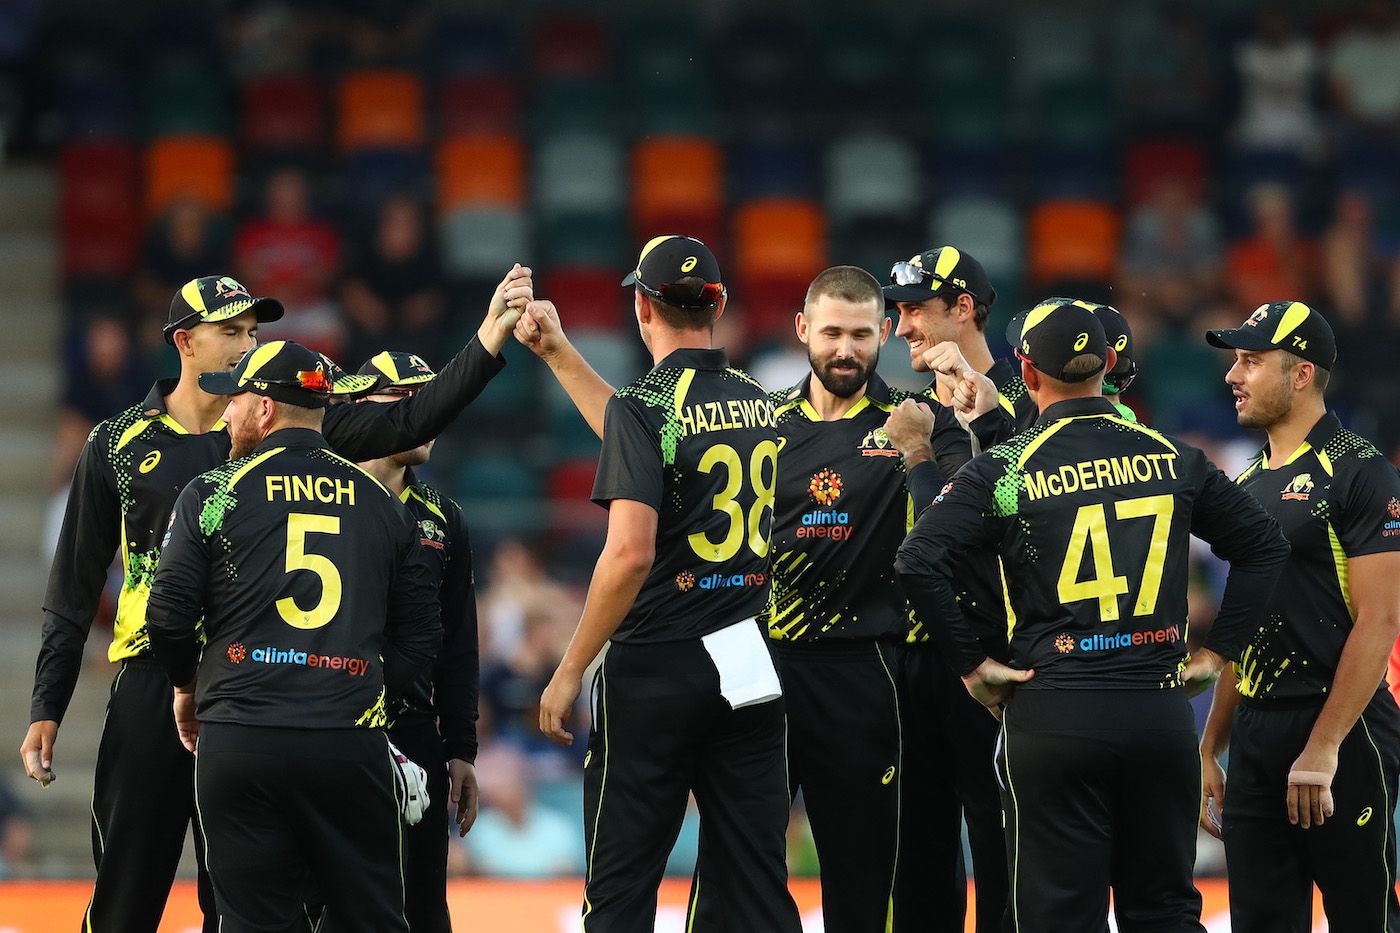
{"points": [[1056, 331], [1282, 325], [1120, 338], [287, 372], [938, 270], [215, 298], [666, 260], [393, 369]]}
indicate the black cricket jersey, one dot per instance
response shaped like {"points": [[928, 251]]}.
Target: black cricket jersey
{"points": [[842, 510], [448, 692], [124, 487], [1336, 497], [311, 583], [1091, 515], [694, 439]]}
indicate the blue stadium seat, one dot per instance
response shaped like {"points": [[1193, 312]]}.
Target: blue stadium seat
{"points": [[374, 175], [773, 167], [578, 172], [569, 104]]}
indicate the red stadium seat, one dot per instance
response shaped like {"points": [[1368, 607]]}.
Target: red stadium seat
{"points": [[587, 297], [195, 166], [283, 113], [569, 44], [481, 104], [764, 304], [572, 480], [1073, 240], [480, 170], [1149, 163], [381, 110]]}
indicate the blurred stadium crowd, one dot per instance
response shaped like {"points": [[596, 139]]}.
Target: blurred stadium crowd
{"points": [[377, 165]]}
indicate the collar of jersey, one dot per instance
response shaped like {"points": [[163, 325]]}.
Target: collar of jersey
{"points": [[1326, 428], [1077, 408], [876, 390], [153, 407], [695, 358], [292, 437]]}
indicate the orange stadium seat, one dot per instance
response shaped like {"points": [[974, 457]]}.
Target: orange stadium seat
{"points": [[479, 170], [479, 104], [1073, 239], [671, 172], [283, 113], [197, 166], [779, 235], [381, 110]]}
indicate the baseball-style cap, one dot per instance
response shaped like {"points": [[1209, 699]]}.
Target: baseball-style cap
{"points": [[937, 270], [1282, 325], [215, 298], [1116, 332], [290, 373], [395, 370], [1056, 331], [665, 260]]}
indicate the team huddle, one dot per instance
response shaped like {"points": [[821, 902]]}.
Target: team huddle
{"points": [[968, 603]]}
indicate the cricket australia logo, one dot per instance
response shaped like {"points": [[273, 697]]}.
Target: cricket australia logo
{"points": [[877, 444], [431, 534], [1299, 489]]}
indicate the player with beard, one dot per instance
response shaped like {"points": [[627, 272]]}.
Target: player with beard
{"points": [[837, 617], [1313, 734]]}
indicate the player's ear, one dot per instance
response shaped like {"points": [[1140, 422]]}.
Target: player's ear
{"points": [[799, 324], [640, 306], [1030, 377], [1112, 361], [885, 325], [719, 309], [181, 339]]}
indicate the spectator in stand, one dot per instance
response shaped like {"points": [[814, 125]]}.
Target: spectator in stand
{"points": [[392, 293], [1275, 259], [515, 836], [1362, 68], [102, 368], [1356, 271], [186, 243], [517, 586], [1172, 254], [16, 833], [290, 254], [1172, 78], [1277, 67]]}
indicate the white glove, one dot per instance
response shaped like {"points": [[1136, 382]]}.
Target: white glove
{"points": [[413, 786]]}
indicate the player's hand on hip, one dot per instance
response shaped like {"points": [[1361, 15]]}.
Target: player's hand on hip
{"points": [[1310, 785], [557, 705], [992, 684], [974, 396], [1212, 794], [463, 793], [908, 428], [37, 750], [185, 722], [1202, 670]]}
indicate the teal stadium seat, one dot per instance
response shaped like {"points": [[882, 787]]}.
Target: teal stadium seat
{"points": [[179, 99], [482, 242], [872, 175]]}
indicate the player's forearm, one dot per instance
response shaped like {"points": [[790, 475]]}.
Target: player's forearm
{"points": [[617, 580], [57, 668], [588, 391], [1215, 737], [932, 598], [1248, 586], [1359, 673], [175, 644]]}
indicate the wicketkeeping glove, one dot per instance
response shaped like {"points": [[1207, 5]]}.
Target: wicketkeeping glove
{"points": [[413, 786]]}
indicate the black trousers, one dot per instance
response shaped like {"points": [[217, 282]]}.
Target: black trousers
{"points": [[949, 775], [1273, 864], [1102, 790], [424, 844], [142, 806], [661, 730], [843, 750], [278, 805]]}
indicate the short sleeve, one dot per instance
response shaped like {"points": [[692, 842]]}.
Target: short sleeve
{"points": [[1369, 518], [630, 465]]}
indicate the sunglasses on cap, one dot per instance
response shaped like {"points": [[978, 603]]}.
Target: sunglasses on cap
{"points": [[906, 273], [402, 391], [683, 296]]}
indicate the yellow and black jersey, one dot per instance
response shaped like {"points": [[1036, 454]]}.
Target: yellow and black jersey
{"points": [[448, 692], [842, 509], [124, 487], [1092, 515], [1336, 497], [312, 585], [694, 440]]}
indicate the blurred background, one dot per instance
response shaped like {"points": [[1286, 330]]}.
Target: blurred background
{"points": [[379, 164]]}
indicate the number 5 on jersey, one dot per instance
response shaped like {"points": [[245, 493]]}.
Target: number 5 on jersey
{"points": [[1091, 529], [726, 501], [299, 525]]}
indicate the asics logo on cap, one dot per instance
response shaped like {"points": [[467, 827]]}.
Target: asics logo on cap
{"points": [[689, 263], [1081, 341]]}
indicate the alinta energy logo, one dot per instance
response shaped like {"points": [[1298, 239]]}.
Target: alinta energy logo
{"points": [[685, 581], [355, 667], [825, 487], [1064, 643], [1392, 527], [237, 653], [720, 581]]}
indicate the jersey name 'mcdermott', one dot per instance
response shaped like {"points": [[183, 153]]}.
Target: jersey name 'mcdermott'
{"points": [[726, 415], [1099, 473]]}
